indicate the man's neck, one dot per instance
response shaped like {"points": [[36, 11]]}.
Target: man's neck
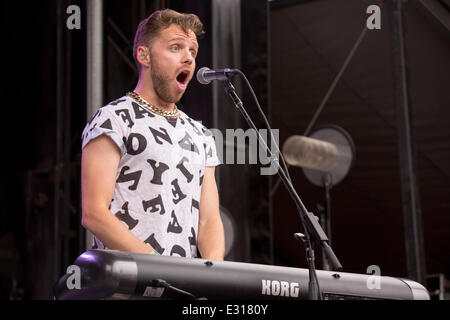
{"points": [[146, 91]]}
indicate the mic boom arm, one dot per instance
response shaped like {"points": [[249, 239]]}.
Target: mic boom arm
{"points": [[308, 220]]}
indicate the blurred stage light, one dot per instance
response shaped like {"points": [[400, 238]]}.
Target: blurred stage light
{"points": [[328, 152]]}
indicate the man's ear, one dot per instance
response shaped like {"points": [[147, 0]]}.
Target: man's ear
{"points": [[143, 56]]}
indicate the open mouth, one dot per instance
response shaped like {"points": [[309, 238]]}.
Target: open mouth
{"points": [[183, 77]]}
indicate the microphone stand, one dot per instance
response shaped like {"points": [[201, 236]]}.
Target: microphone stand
{"points": [[309, 221]]}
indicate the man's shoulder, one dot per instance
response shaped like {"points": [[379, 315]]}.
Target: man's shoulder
{"points": [[196, 123], [108, 112], [120, 103]]}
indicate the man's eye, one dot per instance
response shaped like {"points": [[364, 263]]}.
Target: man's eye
{"points": [[193, 53], [174, 48]]}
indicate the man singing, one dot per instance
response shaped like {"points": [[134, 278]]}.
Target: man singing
{"points": [[154, 162]]}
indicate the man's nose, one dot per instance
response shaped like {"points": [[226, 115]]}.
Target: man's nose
{"points": [[187, 57]]}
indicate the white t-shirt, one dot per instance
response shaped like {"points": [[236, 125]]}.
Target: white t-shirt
{"points": [[159, 179]]}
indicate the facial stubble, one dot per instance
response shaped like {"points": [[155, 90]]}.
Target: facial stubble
{"points": [[162, 83]]}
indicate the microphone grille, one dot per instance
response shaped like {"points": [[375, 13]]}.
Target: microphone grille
{"points": [[201, 77]]}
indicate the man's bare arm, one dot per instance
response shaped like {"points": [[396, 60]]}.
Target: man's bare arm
{"points": [[211, 238], [100, 161]]}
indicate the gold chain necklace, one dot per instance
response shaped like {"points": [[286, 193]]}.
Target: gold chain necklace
{"points": [[164, 113]]}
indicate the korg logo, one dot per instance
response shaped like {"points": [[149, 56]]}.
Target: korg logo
{"points": [[280, 288]]}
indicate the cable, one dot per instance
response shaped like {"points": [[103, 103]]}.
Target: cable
{"points": [[164, 284]]}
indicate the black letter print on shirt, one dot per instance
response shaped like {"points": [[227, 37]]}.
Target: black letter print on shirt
{"points": [[201, 178], [125, 115], [106, 124], [154, 244], [174, 226], [92, 128], [195, 204], [112, 200], [142, 143], [208, 154], [157, 171], [157, 135], [125, 217], [153, 203], [176, 249], [194, 127], [187, 144], [132, 176], [177, 193], [116, 102], [140, 112], [193, 238], [185, 171], [206, 132], [97, 114]]}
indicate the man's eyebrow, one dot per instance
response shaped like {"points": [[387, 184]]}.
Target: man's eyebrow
{"points": [[184, 40]]}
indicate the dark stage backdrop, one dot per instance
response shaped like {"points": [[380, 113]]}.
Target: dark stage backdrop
{"points": [[44, 101], [309, 42]]}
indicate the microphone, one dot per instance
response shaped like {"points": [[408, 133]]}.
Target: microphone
{"points": [[205, 75]]}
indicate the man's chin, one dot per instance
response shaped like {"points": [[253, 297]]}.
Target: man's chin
{"points": [[179, 98], [176, 96]]}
